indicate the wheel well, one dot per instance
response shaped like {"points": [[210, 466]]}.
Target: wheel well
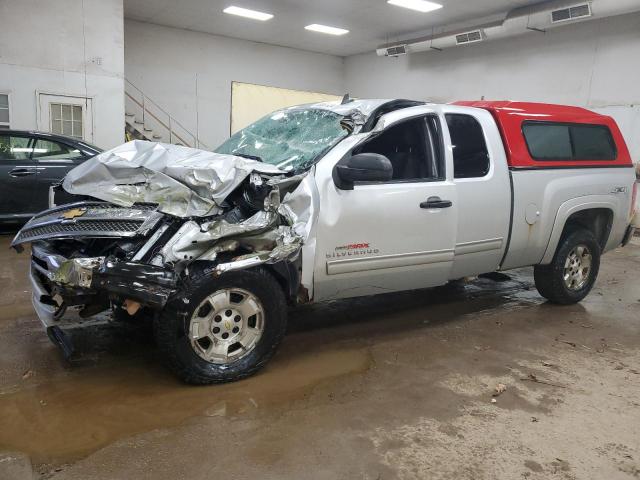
{"points": [[287, 275], [597, 220]]}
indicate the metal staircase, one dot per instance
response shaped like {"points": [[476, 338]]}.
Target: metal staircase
{"points": [[146, 120]]}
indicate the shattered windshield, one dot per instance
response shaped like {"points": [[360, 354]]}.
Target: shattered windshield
{"points": [[291, 139]]}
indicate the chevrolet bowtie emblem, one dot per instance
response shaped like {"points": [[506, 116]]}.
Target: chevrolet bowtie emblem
{"points": [[73, 213]]}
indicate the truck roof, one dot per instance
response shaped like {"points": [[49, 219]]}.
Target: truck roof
{"points": [[510, 117]]}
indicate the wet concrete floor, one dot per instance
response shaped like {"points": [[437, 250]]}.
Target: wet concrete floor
{"points": [[393, 386]]}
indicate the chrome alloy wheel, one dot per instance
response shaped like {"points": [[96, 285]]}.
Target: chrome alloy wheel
{"points": [[227, 325], [577, 267]]}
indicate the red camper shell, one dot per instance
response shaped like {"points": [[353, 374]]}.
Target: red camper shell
{"points": [[541, 135]]}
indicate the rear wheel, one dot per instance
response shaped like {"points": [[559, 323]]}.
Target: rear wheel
{"points": [[221, 329], [573, 271]]}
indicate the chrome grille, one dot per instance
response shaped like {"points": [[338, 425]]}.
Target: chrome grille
{"points": [[90, 227], [90, 220]]}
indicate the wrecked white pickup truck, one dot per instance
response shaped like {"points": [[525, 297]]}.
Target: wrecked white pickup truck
{"points": [[326, 201]]}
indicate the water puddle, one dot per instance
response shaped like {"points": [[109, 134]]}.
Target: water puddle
{"points": [[62, 421]]}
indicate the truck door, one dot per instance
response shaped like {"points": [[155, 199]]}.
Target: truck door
{"points": [[388, 236], [481, 177]]}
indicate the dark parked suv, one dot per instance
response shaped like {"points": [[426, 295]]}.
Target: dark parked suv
{"points": [[30, 162]]}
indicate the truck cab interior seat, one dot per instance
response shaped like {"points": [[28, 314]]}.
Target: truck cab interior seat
{"points": [[405, 147]]}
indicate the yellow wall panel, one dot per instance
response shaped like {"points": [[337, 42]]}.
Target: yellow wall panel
{"points": [[249, 102]]}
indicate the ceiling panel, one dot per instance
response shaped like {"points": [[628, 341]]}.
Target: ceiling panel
{"points": [[371, 22]]}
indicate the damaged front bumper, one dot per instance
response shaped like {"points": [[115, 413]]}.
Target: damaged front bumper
{"points": [[43, 304], [58, 283]]}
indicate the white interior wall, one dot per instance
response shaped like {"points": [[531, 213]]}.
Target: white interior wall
{"points": [[168, 63], [44, 47], [593, 64]]}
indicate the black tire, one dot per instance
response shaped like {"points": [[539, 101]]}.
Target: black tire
{"points": [[172, 325], [549, 279]]}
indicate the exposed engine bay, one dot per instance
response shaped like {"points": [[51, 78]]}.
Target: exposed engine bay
{"points": [[149, 211]]}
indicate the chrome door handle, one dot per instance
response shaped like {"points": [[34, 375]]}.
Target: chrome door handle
{"points": [[22, 171]]}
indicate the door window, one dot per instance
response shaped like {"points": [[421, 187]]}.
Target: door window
{"points": [[413, 148], [470, 155], [66, 119], [49, 151], [14, 148]]}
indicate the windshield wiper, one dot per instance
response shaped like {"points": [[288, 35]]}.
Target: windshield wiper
{"points": [[250, 157]]}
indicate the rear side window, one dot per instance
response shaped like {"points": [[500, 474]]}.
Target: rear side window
{"points": [[593, 142], [14, 148], [569, 141], [470, 155], [548, 142], [46, 150]]}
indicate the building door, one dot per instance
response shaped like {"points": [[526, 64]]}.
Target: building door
{"points": [[66, 115]]}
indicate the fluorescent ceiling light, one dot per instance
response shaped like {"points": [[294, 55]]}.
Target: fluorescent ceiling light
{"points": [[325, 29], [245, 12], [419, 5]]}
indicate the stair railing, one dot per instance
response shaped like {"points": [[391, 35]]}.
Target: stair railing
{"points": [[157, 119]]}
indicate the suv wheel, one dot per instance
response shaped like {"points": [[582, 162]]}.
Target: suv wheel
{"points": [[572, 272], [221, 329]]}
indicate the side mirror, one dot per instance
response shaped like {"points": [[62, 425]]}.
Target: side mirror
{"points": [[363, 167]]}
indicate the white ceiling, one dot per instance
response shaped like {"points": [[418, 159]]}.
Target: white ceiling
{"points": [[371, 22]]}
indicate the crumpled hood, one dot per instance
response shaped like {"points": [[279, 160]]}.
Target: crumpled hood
{"points": [[185, 182]]}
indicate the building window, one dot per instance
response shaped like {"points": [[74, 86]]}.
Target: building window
{"points": [[4, 111], [66, 119]]}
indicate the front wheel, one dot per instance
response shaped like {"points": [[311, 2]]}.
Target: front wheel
{"points": [[573, 271], [221, 329]]}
